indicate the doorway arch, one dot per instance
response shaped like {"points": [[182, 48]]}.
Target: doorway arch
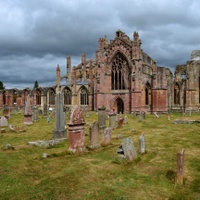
{"points": [[119, 104]]}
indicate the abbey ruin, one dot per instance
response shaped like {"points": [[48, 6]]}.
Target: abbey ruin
{"points": [[121, 78]]}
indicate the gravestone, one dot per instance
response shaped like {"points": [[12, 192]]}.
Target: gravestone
{"points": [[76, 131], [180, 166], [112, 120], [35, 114], [129, 149], [117, 117], [107, 136], [3, 121], [142, 144], [45, 110], [5, 110], [120, 122], [125, 119], [27, 111], [156, 115], [94, 136], [59, 127], [102, 117], [140, 117]]}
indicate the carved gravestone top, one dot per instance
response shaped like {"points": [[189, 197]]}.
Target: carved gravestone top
{"points": [[77, 116]]}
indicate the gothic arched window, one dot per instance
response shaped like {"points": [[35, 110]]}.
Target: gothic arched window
{"points": [[83, 96], [147, 94], [120, 73], [67, 96]]}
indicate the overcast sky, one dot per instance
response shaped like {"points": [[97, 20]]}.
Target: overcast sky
{"points": [[36, 35]]}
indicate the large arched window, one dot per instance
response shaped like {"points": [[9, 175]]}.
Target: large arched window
{"points": [[120, 73], [83, 96], [148, 94], [67, 96], [51, 97], [176, 94]]}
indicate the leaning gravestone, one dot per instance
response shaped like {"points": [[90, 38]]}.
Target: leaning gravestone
{"points": [[94, 136], [107, 136], [76, 131], [129, 149], [112, 120], [142, 144]]}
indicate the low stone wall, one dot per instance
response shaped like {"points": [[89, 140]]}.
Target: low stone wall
{"points": [[182, 121]]}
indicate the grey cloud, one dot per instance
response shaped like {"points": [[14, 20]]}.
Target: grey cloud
{"points": [[38, 35]]}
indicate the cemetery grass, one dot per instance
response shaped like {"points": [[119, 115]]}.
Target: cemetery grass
{"points": [[98, 174]]}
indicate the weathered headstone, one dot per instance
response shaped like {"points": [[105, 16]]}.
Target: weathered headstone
{"points": [[94, 136], [142, 144], [112, 120], [76, 131], [102, 117], [117, 117], [120, 122], [140, 117], [35, 114], [180, 167], [125, 119], [3, 121], [27, 111], [59, 128], [129, 149], [107, 136]]}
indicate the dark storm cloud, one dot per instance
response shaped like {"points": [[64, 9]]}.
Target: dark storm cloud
{"points": [[36, 35]]}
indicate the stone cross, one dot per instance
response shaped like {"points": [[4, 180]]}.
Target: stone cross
{"points": [[94, 136], [180, 167]]}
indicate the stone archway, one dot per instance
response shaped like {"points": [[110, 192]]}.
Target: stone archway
{"points": [[119, 105]]}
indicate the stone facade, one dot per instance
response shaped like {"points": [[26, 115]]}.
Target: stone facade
{"points": [[122, 78]]}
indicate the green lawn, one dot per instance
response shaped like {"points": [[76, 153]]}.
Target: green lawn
{"points": [[97, 174]]}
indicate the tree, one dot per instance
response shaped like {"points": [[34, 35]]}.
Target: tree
{"points": [[2, 87], [36, 85]]}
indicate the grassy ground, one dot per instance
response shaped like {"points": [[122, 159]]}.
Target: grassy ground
{"points": [[97, 174]]}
